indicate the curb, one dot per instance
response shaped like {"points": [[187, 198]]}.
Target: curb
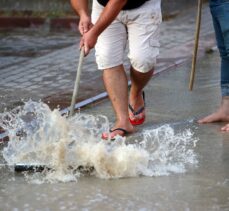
{"points": [[64, 23], [70, 23], [20, 22]]}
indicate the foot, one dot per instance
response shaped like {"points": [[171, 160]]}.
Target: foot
{"points": [[218, 116], [137, 109], [225, 128], [119, 129], [221, 115]]}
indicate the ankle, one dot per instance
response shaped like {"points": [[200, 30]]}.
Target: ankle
{"points": [[124, 123], [225, 99], [122, 120], [136, 97], [225, 105]]}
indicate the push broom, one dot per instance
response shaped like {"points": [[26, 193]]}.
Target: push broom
{"points": [[77, 81], [195, 49]]}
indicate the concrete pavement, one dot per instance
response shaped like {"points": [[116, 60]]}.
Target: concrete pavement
{"points": [[188, 173], [200, 187]]}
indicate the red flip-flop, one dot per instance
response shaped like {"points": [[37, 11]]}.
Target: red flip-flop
{"points": [[139, 111], [106, 136]]}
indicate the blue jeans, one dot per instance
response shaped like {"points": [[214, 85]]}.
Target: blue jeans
{"points": [[220, 15]]}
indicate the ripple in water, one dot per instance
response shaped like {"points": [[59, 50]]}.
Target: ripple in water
{"points": [[65, 145]]}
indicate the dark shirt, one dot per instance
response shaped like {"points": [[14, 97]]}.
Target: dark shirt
{"points": [[131, 4]]}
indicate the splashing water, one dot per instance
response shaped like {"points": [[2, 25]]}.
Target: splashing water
{"points": [[64, 145]]}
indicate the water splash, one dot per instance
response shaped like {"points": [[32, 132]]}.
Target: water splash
{"points": [[65, 145]]}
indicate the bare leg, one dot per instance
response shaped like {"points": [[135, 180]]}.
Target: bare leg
{"points": [[138, 82], [115, 81], [221, 115]]}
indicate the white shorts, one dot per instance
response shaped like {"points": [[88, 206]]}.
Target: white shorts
{"points": [[140, 27]]}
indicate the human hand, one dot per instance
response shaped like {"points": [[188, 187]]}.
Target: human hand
{"points": [[84, 24], [88, 41]]}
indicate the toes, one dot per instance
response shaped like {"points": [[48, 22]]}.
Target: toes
{"points": [[216, 117], [112, 135], [225, 128]]}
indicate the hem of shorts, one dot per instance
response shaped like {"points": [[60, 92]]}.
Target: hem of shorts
{"points": [[225, 94], [225, 90], [142, 70], [109, 66]]}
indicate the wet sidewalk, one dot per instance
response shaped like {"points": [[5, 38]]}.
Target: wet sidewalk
{"points": [[42, 65], [198, 175], [187, 175], [170, 103]]}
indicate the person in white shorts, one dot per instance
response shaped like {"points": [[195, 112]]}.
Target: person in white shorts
{"points": [[112, 25]]}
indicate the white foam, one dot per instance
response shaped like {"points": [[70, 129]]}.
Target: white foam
{"points": [[59, 142]]}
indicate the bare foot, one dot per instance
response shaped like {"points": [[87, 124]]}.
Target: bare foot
{"points": [[221, 115], [218, 116], [128, 127], [225, 128], [121, 129]]}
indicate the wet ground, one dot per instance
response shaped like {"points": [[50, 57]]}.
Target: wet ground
{"points": [[37, 65], [168, 101]]}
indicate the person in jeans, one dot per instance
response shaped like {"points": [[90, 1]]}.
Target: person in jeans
{"points": [[220, 15], [112, 25]]}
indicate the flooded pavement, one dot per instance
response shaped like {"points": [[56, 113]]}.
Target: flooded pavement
{"points": [[187, 168]]}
